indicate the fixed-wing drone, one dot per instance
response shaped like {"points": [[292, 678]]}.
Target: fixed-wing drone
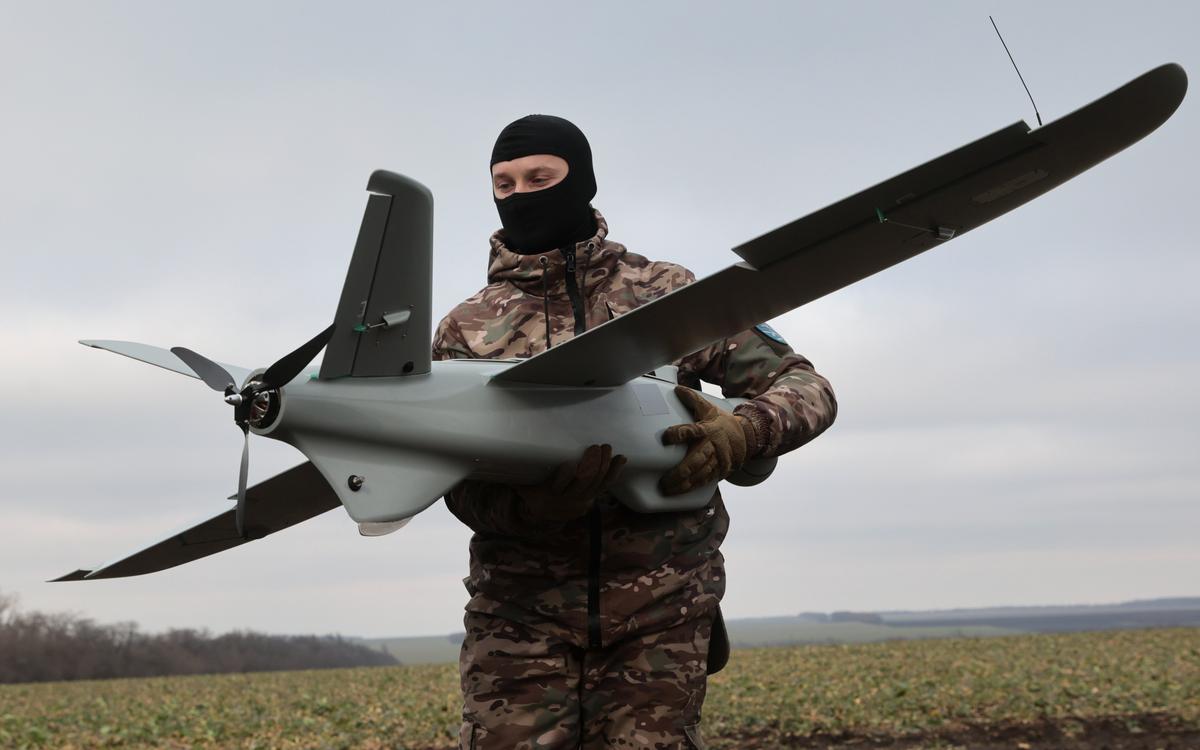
{"points": [[387, 431]]}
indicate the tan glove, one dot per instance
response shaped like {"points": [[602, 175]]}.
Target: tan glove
{"points": [[718, 444], [573, 487]]}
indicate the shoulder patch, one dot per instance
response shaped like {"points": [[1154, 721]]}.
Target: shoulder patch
{"points": [[770, 333]]}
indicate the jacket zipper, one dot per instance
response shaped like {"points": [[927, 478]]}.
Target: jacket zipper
{"points": [[594, 524], [546, 298], [594, 539], [573, 291]]}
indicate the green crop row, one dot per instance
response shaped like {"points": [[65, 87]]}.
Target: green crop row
{"points": [[896, 688]]}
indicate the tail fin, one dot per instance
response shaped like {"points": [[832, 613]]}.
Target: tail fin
{"points": [[384, 322]]}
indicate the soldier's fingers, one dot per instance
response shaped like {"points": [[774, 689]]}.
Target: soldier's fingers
{"points": [[675, 481], [694, 462], [680, 482], [586, 471], [590, 461], [605, 458], [682, 433], [593, 482], [562, 477], [614, 470], [704, 469], [683, 476], [722, 453], [699, 406], [672, 484]]}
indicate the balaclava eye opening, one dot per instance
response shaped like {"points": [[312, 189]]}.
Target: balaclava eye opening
{"points": [[558, 216]]}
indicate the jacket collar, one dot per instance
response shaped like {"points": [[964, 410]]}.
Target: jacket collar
{"points": [[595, 258]]}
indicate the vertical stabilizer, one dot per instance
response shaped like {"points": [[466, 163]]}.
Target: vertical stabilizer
{"points": [[384, 322]]}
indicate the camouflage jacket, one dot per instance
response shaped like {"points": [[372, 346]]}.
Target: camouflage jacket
{"points": [[613, 572]]}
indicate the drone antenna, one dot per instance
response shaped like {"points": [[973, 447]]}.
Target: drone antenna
{"points": [[1014, 64]]}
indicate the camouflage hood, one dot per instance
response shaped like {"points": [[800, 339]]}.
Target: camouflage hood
{"points": [[596, 258]]}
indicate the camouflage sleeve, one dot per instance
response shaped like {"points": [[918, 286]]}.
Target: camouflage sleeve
{"points": [[790, 403], [449, 343]]}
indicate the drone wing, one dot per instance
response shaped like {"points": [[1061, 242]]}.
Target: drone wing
{"points": [[861, 235], [284, 500], [153, 355]]}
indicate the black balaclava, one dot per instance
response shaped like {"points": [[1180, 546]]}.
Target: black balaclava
{"points": [[557, 216]]}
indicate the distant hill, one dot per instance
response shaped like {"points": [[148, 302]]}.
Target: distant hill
{"points": [[421, 649], [1149, 613], [861, 627]]}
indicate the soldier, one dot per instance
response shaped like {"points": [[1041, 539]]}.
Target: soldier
{"points": [[589, 624]]}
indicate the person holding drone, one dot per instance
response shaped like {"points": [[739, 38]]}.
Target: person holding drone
{"points": [[591, 625]]}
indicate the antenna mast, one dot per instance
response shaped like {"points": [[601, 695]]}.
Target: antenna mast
{"points": [[1014, 64]]}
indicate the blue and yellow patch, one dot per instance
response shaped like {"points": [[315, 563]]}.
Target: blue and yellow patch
{"points": [[770, 333]]}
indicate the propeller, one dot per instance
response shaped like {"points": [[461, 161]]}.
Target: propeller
{"points": [[273, 378]]}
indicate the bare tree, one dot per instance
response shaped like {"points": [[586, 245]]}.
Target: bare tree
{"points": [[37, 647]]}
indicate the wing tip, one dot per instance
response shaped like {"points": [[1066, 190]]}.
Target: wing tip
{"points": [[74, 575]]}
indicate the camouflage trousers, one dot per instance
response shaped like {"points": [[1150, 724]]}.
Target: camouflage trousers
{"points": [[525, 690]]}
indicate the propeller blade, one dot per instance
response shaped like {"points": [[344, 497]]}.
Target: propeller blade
{"points": [[282, 372], [240, 512], [213, 375]]}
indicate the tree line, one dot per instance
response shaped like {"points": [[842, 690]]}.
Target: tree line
{"points": [[40, 647]]}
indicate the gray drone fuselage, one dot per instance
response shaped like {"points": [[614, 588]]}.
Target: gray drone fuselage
{"points": [[392, 446]]}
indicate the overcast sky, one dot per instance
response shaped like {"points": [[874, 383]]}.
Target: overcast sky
{"points": [[1019, 410]]}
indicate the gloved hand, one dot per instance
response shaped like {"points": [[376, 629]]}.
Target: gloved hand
{"points": [[718, 441], [571, 490]]}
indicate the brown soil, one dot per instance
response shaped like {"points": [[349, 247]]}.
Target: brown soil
{"points": [[1146, 732]]}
